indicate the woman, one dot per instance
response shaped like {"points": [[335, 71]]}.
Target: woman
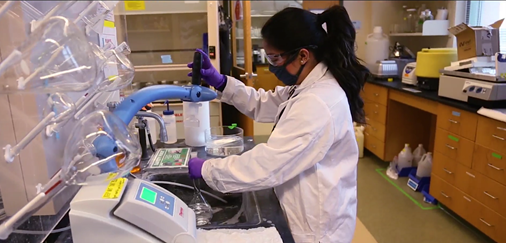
{"points": [[311, 156]]}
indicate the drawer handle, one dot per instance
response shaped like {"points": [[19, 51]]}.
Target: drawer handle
{"points": [[376, 112], [367, 134], [367, 118], [374, 129], [471, 175], [450, 147], [494, 167], [376, 94], [447, 171], [490, 195], [373, 146], [501, 128], [453, 121], [495, 136], [485, 222], [467, 199], [444, 195]]}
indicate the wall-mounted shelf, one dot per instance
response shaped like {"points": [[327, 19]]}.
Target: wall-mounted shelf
{"points": [[253, 38], [430, 28]]}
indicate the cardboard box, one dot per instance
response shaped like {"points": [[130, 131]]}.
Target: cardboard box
{"points": [[476, 41]]}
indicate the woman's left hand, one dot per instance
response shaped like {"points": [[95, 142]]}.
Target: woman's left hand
{"points": [[195, 168]]}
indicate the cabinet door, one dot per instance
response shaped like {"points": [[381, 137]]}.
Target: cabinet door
{"points": [[242, 52]]}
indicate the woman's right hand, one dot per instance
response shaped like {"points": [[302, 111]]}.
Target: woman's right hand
{"points": [[208, 72]]}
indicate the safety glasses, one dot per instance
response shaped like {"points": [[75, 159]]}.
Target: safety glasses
{"points": [[278, 60]]}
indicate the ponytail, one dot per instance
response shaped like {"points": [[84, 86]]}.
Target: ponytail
{"points": [[338, 52], [294, 28]]}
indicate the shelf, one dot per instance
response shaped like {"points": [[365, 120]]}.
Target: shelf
{"points": [[261, 15], [412, 34], [430, 28]]}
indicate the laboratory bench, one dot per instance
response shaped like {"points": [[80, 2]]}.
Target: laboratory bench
{"points": [[268, 204], [469, 150]]}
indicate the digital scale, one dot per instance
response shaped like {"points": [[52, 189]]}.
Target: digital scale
{"points": [[130, 211]]}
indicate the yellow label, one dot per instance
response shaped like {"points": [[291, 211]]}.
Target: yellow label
{"points": [[108, 23], [111, 175], [135, 5], [114, 188]]}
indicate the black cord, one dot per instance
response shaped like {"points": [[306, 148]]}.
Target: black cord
{"points": [[151, 142]]}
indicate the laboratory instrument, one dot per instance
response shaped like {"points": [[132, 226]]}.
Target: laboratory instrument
{"points": [[224, 141], [477, 81], [384, 69], [408, 74], [170, 220], [169, 119], [428, 63], [38, 65], [130, 211]]}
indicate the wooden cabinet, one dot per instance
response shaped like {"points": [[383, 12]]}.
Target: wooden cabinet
{"points": [[468, 172], [375, 107]]}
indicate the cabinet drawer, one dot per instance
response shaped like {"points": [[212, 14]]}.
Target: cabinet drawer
{"points": [[443, 192], [491, 134], [492, 194], [444, 167], [451, 197], [375, 129], [457, 121], [375, 111], [454, 147], [487, 221], [467, 180], [374, 145], [376, 93], [490, 163]]}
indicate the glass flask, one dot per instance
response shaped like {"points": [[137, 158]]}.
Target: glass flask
{"points": [[199, 205], [56, 57], [99, 149]]}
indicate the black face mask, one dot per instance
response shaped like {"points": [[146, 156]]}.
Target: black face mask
{"points": [[282, 74]]}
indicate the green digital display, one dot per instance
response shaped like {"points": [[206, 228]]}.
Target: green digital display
{"points": [[148, 195]]}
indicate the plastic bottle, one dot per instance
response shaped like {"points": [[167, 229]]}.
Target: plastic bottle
{"points": [[377, 46], [418, 154], [405, 158], [359, 134], [425, 166], [169, 119], [196, 123]]}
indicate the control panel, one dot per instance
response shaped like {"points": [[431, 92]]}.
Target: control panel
{"points": [[157, 198], [477, 89]]}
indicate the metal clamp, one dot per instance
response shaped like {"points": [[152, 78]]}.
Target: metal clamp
{"points": [[490, 195], [494, 167], [450, 147], [248, 75]]}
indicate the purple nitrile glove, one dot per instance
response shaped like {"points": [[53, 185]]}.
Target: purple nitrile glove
{"points": [[195, 168], [209, 73]]}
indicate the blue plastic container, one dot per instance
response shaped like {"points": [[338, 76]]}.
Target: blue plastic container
{"points": [[417, 183], [426, 196]]}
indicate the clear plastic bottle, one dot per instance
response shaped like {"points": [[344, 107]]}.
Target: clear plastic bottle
{"points": [[377, 46], [425, 166], [418, 154], [411, 20], [405, 158], [169, 119]]}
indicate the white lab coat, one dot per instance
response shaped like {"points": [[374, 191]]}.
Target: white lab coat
{"points": [[310, 159]]}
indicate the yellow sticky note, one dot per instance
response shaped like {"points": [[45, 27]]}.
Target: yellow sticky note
{"points": [[111, 175], [114, 188], [135, 5]]}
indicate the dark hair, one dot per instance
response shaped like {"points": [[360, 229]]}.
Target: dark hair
{"points": [[294, 28]]}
